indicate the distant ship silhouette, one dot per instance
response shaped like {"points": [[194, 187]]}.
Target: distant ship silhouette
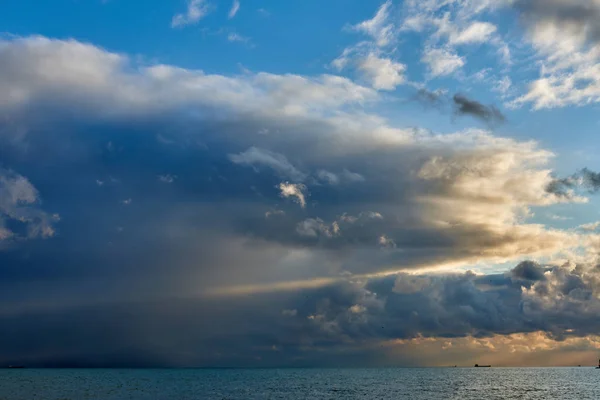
{"points": [[488, 366], [598, 367]]}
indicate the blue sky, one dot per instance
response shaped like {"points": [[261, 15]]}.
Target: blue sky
{"points": [[281, 180]]}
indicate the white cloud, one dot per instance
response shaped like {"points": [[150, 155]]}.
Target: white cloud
{"points": [[476, 32], [441, 61], [449, 26], [566, 38], [591, 227], [109, 83], [235, 7], [235, 37], [296, 191], [18, 200], [379, 27], [260, 157], [382, 73], [196, 10]]}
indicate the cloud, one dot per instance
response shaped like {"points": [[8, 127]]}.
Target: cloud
{"points": [[344, 177], [564, 35], [418, 319], [196, 10], [449, 28], [430, 97], [167, 178], [235, 37], [274, 213], [441, 61], [383, 199], [463, 32], [383, 73], [476, 32], [20, 217], [467, 194], [465, 106], [591, 227], [379, 27], [559, 217], [260, 157], [235, 7], [315, 227], [577, 18], [101, 74], [296, 191], [583, 179]]}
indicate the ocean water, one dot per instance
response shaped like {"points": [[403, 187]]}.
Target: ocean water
{"points": [[393, 383]]}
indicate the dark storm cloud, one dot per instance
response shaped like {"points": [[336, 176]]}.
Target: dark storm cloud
{"points": [[584, 179], [465, 106], [308, 327], [591, 179]]}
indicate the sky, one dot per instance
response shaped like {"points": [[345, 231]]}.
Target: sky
{"points": [[206, 183]]}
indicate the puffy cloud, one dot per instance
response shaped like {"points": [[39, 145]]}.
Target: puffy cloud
{"points": [[294, 190], [196, 10], [442, 61], [383, 73]]}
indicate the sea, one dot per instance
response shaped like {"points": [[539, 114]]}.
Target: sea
{"points": [[389, 383]]}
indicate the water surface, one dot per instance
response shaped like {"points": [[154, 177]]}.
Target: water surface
{"points": [[393, 383]]}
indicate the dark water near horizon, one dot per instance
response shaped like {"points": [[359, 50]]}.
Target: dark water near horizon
{"points": [[389, 383]]}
